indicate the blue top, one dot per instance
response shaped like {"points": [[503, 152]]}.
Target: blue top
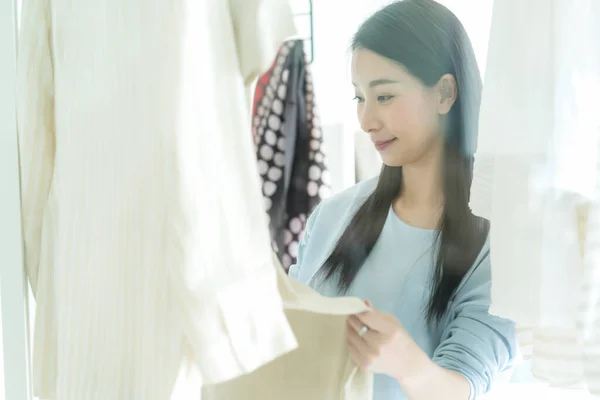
{"points": [[395, 278]]}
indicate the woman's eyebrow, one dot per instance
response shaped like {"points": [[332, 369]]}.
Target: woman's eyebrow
{"points": [[381, 81], [378, 82]]}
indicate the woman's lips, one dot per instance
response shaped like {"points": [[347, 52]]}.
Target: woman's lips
{"points": [[380, 145]]}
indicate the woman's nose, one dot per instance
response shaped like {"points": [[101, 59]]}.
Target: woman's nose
{"points": [[369, 120]]}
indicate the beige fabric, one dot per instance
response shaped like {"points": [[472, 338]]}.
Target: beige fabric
{"points": [[320, 369], [135, 151]]}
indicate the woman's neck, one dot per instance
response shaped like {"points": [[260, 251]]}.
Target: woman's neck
{"points": [[422, 182], [422, 198], [421, 187]]}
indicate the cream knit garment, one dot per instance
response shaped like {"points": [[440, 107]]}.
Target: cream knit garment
{"points": [[145, 238]]}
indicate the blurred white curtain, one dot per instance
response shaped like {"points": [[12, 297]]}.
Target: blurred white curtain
{"points": [[535, 179]]}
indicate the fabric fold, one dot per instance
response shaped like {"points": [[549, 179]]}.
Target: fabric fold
{"points": [[321, 368]]}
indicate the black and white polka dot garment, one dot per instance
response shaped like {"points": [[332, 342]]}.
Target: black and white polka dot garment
{"points": [[289, 147]]}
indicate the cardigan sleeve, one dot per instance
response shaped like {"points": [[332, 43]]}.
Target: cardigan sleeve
{"points": [[35, 118], [474, 343], [295, 269], [260, 27]]}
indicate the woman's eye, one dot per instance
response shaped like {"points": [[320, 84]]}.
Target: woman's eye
{"points": [[383, 99], [359, 99]]}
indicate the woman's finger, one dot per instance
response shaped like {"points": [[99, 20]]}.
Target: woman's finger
{"points": [[376, 321], [358, 326], [359, 350], [355, 323], [356, 355], [372, 335], [368, 342]]}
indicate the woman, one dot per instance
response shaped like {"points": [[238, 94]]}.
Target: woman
{"points": [[407, 243]]}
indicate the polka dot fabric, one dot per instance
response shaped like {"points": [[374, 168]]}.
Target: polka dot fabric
{"points": [[289, 148]]}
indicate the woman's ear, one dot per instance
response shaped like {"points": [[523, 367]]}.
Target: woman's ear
{"points": [[447, 90]]}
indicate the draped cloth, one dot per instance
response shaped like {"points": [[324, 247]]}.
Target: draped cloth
{"points": [[536, 178]]}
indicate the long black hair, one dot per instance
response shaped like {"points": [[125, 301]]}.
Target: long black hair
{"points": [[429, 41]]}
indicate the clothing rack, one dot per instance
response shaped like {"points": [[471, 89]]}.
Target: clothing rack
{"points": [[304, 21]]}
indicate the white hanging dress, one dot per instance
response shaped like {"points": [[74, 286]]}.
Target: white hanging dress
{"points": [[145, 237]]}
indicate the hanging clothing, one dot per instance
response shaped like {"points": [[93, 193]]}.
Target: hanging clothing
{"points": [[141, 256], [536, 178], [289, 148], [321, 368]]}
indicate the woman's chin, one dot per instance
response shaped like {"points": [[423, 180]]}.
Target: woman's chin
{"points": [[391, 162]]}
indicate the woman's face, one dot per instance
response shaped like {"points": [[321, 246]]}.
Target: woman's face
{"points": [[401, 115]]}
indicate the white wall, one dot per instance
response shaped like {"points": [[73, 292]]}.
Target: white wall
{"points": [[334, 23], [476, 17]]}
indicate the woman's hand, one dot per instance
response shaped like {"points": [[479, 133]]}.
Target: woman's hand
{"points": [[378, 342], [387, 348]]}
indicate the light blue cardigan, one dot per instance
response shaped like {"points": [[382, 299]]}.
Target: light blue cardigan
{"points": [[395, 278]]}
